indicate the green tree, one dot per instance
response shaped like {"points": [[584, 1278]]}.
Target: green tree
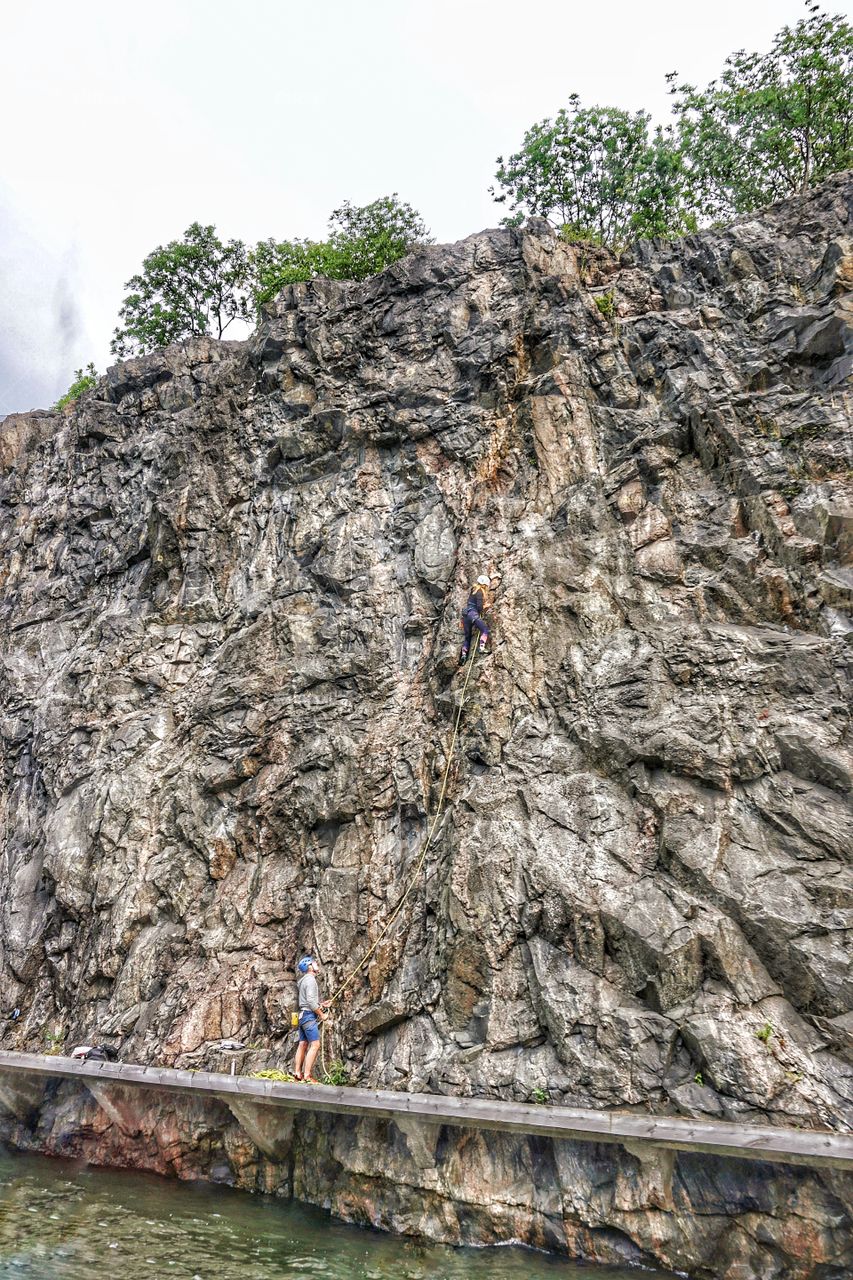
{"points": [[771, 125], [193, 286], [274, 264], [84, 380], [363, 239], [597, 173]]}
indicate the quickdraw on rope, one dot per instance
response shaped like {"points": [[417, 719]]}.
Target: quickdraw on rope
{"points": [[424, 851]]}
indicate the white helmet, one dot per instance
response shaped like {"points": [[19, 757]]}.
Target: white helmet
{"points": [[483, 581]]}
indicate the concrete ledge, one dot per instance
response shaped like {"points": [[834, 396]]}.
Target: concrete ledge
{"points": [[818, 1148]]}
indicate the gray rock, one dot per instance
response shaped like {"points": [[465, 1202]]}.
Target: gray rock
{"points": [[229, 603]]}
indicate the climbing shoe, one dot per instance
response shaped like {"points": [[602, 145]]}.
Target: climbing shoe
{"points": [[463, 657], [483, 643]]}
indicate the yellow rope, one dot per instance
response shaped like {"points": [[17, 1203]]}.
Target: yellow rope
{"points": [[427, 843], [323, 1068]]}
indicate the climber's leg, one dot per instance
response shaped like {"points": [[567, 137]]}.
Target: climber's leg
{"points": [[310, 1058], [466, 643], [483, 628], [300, 1059]]}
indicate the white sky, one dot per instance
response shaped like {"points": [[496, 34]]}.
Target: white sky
{"points": [[123, 124]]}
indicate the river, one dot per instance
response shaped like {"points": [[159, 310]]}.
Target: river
{"points": [[65, 1221]]}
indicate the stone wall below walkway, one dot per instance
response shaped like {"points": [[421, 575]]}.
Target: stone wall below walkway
{"points": [[713, 1218]]}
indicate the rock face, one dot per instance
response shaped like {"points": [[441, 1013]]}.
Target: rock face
{"points": [[231, 579]]}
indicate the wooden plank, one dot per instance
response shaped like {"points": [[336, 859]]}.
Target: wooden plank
{"points": [[714, 1137]]}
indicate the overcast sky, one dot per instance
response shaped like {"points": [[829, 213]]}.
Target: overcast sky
{"points": [[124, 124]]}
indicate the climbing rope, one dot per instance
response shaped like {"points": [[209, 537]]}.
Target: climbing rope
{"points": [[424, 851], [323, 1068]]}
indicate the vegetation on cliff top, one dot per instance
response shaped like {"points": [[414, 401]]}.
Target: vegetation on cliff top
{"points": [[362, 241], [597, 173], [771, 125], [83, 380], [201, 284], [186, 288]]}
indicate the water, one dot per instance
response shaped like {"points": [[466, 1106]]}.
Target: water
{"points": [[64, 1221]]}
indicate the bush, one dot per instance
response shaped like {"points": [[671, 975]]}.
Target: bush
{"points": [[337, 1074], [606, 303], [275, 264], [84, 380], [54, 1041], [363, 240]]}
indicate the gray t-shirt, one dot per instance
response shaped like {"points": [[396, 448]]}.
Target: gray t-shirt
{"points": [[309, 993]]}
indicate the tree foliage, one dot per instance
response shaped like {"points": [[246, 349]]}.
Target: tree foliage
{"points": [[196, 285], [598, 173], [84, 380], [772, 124], [200, 284], [363, 239], [276, 263]]}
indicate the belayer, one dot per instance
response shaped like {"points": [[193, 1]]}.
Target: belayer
{"points": [[479, 600], [311, 1013]]}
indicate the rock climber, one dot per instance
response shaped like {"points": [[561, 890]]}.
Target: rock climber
{"points": [[479, 600], [311, 1013]]}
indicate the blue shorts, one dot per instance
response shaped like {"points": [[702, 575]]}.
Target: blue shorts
{"points": [[309, 1027]]}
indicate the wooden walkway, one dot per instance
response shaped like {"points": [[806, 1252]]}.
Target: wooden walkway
{"points": [[820, 1148]]}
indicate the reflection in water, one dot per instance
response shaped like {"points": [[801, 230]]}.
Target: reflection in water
{"points": [[62, 1221]]}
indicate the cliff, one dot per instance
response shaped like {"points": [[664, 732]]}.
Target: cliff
{"points": [[231, 578]]}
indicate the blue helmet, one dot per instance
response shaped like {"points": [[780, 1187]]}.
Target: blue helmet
{"points": [[304, 963]]}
